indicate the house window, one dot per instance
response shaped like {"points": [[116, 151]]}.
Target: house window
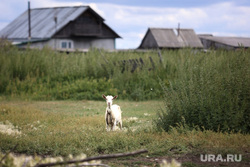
{"points": [[64, 45], [67, 44]]}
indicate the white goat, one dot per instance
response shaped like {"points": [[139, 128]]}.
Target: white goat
{"points": [[113, 114]]}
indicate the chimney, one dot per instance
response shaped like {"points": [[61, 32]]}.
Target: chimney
{"points": [[178, 29], [29, 22]]}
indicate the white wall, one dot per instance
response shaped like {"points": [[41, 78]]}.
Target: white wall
{"points": [[77, 43], [108, 44]]}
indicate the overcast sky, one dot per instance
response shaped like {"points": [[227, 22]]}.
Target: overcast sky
{"points": [[131, 18]]}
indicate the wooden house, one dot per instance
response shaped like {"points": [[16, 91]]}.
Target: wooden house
{"points": [[218, 42], [61, 28], [170, 38]]}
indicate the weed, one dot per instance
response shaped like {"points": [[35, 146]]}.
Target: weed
{"points": [[211, 92]]}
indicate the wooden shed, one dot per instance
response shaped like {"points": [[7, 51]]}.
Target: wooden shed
{"points": [[170, 38], [218, 42], [61, 28]]}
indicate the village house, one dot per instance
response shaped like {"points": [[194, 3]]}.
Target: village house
{"points": [[61, 28], [170, 38], [230, 43]]}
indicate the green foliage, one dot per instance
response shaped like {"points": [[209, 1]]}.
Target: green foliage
{"points": [[210, 92], [47, 75]]}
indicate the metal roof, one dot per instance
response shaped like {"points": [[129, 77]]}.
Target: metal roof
{"points": [[165, 37], [230, 41], [190, 39], [42, 22], [168, 38]]}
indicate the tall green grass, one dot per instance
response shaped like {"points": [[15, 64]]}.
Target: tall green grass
{"points": [[211, 92], [204, 90], [47, 75]]}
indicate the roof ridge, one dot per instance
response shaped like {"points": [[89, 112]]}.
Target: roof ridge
{"points": [[60, 7], [224, 36], [159, 28]]}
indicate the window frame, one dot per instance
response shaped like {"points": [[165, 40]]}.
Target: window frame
{"points": [[66, 44]]}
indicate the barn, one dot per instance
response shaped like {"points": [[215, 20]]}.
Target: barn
{"points": [[61, 28], [170, 39], [218, 42]]}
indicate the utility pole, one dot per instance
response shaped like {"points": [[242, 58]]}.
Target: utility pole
{"points": [[29, 20]]}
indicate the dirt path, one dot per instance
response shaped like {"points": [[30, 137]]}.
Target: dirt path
{"points": [[187, 160]]}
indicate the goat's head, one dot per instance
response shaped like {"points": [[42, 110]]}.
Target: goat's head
{"points": [[109, 100]]}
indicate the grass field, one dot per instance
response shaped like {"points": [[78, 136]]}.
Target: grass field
{"points": [[74, 127], [189, 103]]}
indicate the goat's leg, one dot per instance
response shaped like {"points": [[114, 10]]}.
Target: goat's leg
{"points": [[114, 125], [106, 120], [120, 125], [107, 127]]}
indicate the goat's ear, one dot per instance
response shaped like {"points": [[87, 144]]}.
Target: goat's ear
{"points": [[104, 97], [115, 97]]}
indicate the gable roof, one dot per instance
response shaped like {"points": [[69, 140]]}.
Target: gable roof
{"points": [[230, 41], [43, 22], [190, 39], [167, 38]]}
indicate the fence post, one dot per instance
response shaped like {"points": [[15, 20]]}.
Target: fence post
{"points": [[160, 56], [152, 62]]}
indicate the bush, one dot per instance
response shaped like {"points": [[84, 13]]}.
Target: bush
{"points": [[211, 92]]}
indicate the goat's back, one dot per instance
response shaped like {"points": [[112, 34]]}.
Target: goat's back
{"points": [[116, 111]]}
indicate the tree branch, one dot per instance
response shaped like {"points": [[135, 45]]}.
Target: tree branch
{"points": [[107, 156], [92, 165]]}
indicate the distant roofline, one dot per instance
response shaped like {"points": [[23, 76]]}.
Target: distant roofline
{"points": [[61, 7], [211, 35], [159, 28], [232, 41], [179, 36], [205, 35]]}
